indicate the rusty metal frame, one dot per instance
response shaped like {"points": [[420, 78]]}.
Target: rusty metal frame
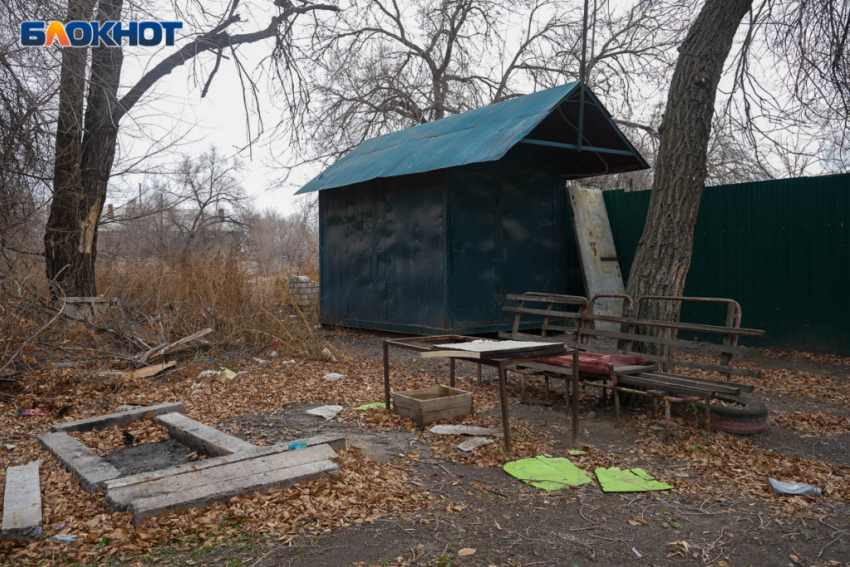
{"points": [[426, 344]]}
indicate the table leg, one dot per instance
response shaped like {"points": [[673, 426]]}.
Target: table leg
{"points": [[386, 376], [503, 395], [452, 372], [575, 397]]}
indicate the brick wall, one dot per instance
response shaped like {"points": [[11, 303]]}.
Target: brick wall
{"points": [[304, 293]]}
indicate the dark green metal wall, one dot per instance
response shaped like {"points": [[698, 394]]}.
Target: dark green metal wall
{"points": [[780, 248]]}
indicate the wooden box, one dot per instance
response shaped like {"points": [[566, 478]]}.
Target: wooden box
{"points": [[432, 404]]}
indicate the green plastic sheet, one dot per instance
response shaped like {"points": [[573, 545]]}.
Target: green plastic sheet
{"points": [[634, 480], [547, 473], [373, 405]]}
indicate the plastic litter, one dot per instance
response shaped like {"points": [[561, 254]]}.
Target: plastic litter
{"points": [[796, 488], [634, 480], [373, 405], [547, 473], [64, 539], [29, 413], [328, 412], [334, 377]]}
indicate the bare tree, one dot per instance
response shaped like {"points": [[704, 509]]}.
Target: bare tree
{"points": [[382, 65], [817, 87], [26, 116], [86, 143], [289, 242]]}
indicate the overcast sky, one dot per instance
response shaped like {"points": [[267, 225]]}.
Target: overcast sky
{"points": [[174, 120]]}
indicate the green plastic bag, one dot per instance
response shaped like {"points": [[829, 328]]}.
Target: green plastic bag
{"points": [[634, 480], [547, 473]]}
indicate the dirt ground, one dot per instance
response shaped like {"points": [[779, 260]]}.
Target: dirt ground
{"points": [[508, 523]]}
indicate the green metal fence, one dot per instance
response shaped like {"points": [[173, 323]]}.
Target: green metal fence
{"points": [[780, 248]]}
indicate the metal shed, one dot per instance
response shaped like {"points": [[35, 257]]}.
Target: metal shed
{"points": [[427, 229]]}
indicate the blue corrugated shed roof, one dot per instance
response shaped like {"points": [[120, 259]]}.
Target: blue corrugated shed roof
{"points": [[480, 135]]}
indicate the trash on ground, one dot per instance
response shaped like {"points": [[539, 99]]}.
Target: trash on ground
{"points": [[64, 539], [576, 452], [326, 352], [334, 377], [29, 413], [547, 473], [466, 430], [373, 405], [328, 412], [634, 480], [226, 376], [796, 488], [471, 444], [206, 373]]}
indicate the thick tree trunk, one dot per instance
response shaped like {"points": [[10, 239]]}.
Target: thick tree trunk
{"points": [[61, 238], [663, 254]]}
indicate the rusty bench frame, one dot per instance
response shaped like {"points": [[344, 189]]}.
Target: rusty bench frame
{"points": [[644, 380]]}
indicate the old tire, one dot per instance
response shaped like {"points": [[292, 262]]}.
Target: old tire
{"points": [[746, 417]]}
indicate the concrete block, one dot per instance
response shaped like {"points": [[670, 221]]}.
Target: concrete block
{"points": [[90, 470], [334, 440], [202, 437], [202, 496], [121, 498], [118, 418], [22, 503]]}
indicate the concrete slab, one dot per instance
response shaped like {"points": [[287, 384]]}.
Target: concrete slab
{"points": [[90, 470], [201, 496], [202, 437], [118, 418], [120, 498], [22, 503], [334, 440]]}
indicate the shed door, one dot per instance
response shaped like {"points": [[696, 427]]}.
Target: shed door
{"points": [[473, 253], [415, 250]]}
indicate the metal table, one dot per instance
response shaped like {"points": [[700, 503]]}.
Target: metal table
{"points": [[500, 362]]}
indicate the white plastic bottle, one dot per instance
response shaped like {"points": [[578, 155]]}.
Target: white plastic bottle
{"points": [[798, 488]]}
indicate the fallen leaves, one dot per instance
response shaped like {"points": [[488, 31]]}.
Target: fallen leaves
{"points": [[466, 552], [814, 424]]}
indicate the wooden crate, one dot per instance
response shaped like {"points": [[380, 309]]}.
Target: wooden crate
{"points": [[432, 404]]}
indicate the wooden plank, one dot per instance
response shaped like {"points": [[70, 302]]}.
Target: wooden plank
{"points": [[202, 437], [120, 498], [202, 496], [703, 365], [334, 440], [665, 341], [22, 503], [680, 326], [150, 371], [713, 385], [561, 328], [450, 354], [90, 470], [543, 312], [548, 298], [594, 241], [743, 387], [632, 380], [118, 418]]}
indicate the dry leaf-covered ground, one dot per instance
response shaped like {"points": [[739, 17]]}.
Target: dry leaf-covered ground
{"points": [[428, 501]]}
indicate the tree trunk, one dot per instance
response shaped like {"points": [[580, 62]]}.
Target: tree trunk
{"points": [[61, 238], [663, 255]]}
